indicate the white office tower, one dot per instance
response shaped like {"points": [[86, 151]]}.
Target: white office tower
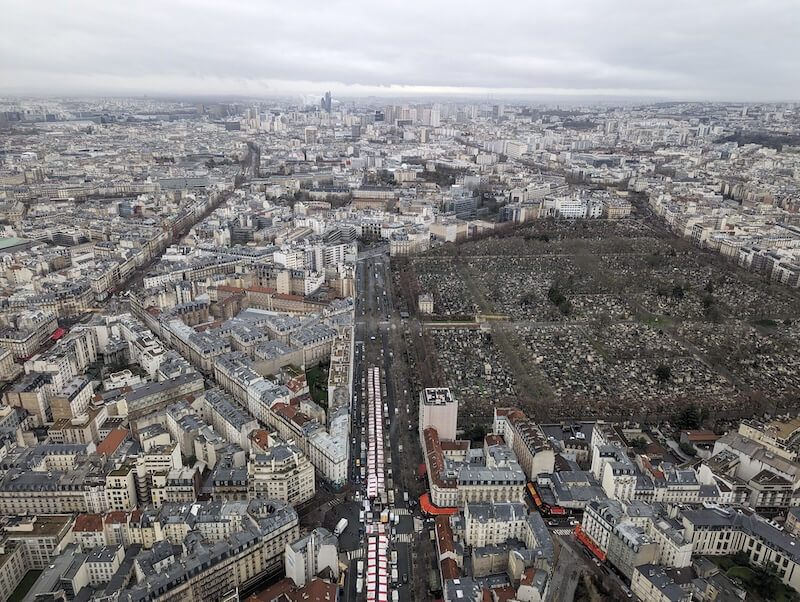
{"points": [[438, 409]]}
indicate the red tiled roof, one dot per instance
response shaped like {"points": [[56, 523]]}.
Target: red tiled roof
{"points": [[273, 592], [435, 458], [512, 414], [444, 535], [87, 523], [289, 297], [492, 439], [450, 569], [457, 445], [315, 590], [112, 442], [297, 383], [117, 517], [260, 438], [300, 418], [291, 413], [527, 576], [504, 593]]}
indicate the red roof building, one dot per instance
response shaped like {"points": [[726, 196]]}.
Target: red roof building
{"points": [[316, 590], [112, 442], [450, 569], [88, 523]]}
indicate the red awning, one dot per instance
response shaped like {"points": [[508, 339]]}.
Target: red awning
{"points": [[60, 332], [429, 508], [586, 540]]}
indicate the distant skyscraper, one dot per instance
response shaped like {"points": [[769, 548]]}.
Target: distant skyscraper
{"points": [[325, 102], [435, 118], [311, 134]]}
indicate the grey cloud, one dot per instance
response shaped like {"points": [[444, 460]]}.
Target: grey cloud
{"points": [[701, 49]]}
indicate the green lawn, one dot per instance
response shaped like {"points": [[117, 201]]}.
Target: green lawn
{"points": [[723, 562], [317, 378], [742, 572], [655, 320], [24, 585]]}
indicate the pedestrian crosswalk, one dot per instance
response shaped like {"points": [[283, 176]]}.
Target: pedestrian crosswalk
{"points": [[401, 511], [564, 531], [355, 554], [404, 537]]}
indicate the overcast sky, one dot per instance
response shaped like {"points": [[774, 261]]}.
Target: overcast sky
{"points": [[672, 49]]}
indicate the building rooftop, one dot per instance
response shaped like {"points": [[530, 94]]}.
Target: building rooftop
{"points": [[437, 396]]}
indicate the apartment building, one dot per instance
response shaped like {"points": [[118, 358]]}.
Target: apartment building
{"points": [[72, 400], [227, 417], [43, 492], [635, 533], [9, 369], [310, 555], [651, 583], [32, 330], [720, 531], [458, 475], [212, 569], [30, 394], [615, 472], [120, 489], [282, 472], [495, 523], [13, 566], [43, 538], [102, 563], [155, 396], [533, 450], [329, 452], [752, 473]]}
